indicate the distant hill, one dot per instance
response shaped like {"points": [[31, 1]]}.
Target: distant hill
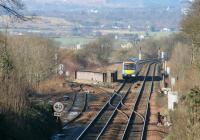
{"points": [[146, 3], [110, 13], [129, 3], [62, 5]]}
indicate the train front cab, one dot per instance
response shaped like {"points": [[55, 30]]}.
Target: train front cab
{"points": [[129, 70]]}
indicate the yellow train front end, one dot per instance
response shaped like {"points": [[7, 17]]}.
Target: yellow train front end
{"points": [[129, 70]]}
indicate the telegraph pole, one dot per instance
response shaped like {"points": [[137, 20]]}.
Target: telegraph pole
{"points": [[140, 54], [159, 53]]}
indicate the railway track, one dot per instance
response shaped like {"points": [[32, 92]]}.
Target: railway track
{"points": [[78, 106], [94, 128], [117, 125], [137, 123], [104, 121]]}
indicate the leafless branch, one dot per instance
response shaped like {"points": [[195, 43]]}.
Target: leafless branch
{"points": [[13, 7]]}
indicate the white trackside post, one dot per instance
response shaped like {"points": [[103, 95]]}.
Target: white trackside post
{"points": [[140, 54]]}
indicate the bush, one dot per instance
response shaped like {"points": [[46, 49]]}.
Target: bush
{"points": [[20, 70], [95, 53], [37, 122]]}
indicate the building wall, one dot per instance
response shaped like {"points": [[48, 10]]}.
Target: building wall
{"points": [[90, 76], [96, 76]]}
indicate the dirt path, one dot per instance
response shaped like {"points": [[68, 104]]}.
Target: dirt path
{"points": [[155, 132]]}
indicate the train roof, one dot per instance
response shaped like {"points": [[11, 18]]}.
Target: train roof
{"points": [[133, 59], [129, 62]]}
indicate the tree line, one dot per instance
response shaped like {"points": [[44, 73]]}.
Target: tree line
{"points": [[185, 65]]}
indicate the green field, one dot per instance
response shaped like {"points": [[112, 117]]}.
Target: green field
{"points": [[158, 35], [155, 35], [71, 41]]}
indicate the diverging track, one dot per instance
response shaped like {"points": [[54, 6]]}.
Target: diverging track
{"points": [[95, 128], [136, 126], [114, 121]]}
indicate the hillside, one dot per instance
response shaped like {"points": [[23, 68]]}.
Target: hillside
{"points": [[110, 13], [113, 3]]}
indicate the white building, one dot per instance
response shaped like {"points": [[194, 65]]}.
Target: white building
{"points": [[127, 45], [166, 30], [78, 46], [141, 37]]}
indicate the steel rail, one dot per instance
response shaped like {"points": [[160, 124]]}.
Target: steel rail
{"points": [[148, 107], [81, 112], [100, 112], [123, 113], [74, 99], [114, 113], [125, 135], [77, 116]]}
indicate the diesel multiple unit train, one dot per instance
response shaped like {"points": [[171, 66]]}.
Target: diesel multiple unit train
{"points": [[131, 68]]}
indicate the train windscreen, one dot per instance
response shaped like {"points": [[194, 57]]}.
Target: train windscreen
{"points": [[129, 66]]}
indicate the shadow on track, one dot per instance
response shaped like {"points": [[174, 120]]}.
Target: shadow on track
{"points": [[140, 78]]}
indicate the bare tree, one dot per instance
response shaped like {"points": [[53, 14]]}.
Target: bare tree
{"points": [[190, 26], [13, 7], [99, 52]]}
